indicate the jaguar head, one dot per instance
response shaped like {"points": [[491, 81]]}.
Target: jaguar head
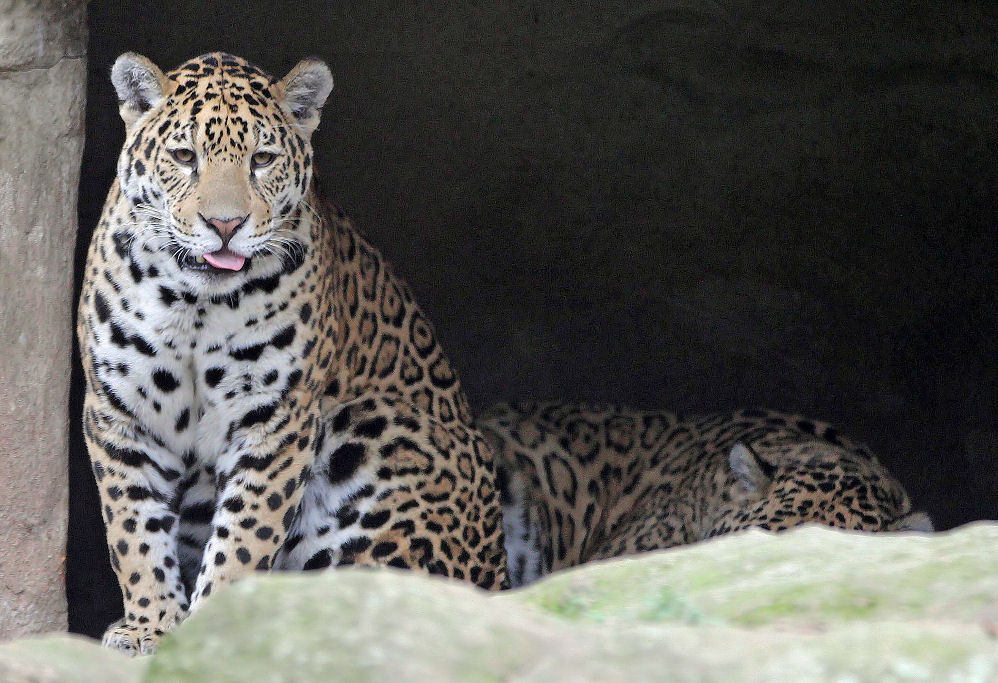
{"points": [[217, 160]]}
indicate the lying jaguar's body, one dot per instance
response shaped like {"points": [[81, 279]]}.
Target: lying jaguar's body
{"points": [[582, 483]]}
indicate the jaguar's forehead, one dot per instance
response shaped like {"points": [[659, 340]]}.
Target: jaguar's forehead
{"points": [[226, 102], [224, 84], [220, 71], [815, 454]]}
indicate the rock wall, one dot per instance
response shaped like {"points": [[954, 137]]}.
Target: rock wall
{"points": [[667, 203], [809, 605], [42, 79]]}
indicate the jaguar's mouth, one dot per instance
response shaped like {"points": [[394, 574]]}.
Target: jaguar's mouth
{"points": [[222, 262]]}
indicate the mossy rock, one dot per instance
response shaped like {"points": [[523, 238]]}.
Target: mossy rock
{"points": [[811, 604], [63, 658], [812, 576]]}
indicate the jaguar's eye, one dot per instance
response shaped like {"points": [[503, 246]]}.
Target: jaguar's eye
{"points": [[263, 159], [183, 156]]}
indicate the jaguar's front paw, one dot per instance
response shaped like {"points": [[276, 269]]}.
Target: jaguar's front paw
{"points": [[131, 639], [139, 639]]}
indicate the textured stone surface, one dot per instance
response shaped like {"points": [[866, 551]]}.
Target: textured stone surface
{"points": [[35, 34], [810, 578], [42, 78], [65, 659], [810, 605]]}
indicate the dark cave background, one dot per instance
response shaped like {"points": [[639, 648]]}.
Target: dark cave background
{"points": [[693, 206]]}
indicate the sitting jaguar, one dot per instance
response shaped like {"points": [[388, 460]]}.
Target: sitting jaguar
{"points": [[262, 391], [581, 483]]}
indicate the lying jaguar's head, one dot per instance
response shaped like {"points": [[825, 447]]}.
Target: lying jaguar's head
{"points": [[783, 482]]}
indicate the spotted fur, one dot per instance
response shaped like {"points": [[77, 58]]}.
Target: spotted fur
{"points": [[288, 409], [581, 483]]}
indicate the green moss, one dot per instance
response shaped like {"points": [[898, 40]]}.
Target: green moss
{"points": [[609, 601], [815, 603], [666, 605]]}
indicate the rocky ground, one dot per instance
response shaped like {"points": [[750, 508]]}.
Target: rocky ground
{"points": [[812, 604]]}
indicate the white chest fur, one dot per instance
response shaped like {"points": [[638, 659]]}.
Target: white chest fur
{"points": [[187, 365]]}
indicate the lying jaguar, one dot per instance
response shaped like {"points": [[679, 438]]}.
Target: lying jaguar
{"points": [[581, 483], [262, 391]]}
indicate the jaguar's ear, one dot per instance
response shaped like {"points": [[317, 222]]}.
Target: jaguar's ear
{"points": [[140, 86], [752, 474], [304, 90]]}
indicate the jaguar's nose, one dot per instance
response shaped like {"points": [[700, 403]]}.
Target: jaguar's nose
{"points": [[225, 227]]}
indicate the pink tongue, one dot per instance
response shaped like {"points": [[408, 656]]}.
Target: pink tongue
{"points": [[225, 259]]}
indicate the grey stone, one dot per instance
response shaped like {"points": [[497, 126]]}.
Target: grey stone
{"points": [[65, 659], [42, 76], [810, 578], [813, 604], [35, 34]]}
